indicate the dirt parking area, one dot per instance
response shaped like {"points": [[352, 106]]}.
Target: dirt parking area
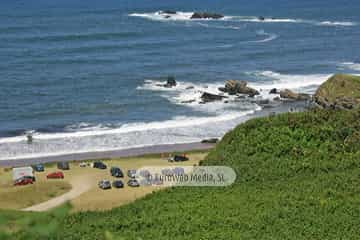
{"points": [[80, 185]]}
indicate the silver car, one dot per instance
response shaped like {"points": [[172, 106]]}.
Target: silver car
{"points": [[105, 184]]}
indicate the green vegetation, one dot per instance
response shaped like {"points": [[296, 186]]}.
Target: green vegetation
{"points": [[298, 178], [25, 196], [26, 225]]}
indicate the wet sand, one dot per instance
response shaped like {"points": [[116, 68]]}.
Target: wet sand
{"points": [[131, 152]]}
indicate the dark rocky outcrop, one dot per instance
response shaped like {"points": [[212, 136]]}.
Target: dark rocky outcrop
{"points": [[189, 101], [339, 92], [233, 87], [171, 82], [288, 94], [209, 97], [261, 18], [274, 91], [206, 15], [210, 140]]}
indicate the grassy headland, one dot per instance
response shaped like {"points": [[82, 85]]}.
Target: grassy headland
{"points": [[298, 178]]}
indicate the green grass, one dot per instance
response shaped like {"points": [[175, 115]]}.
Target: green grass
{"points": [[298, 178], [340, 85], [27, 225]]}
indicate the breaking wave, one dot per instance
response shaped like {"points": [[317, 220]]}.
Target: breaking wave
{"points": [[350, 65], [186, 16]]}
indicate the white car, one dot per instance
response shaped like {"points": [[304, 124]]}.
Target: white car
{"points": [[82, 164]]}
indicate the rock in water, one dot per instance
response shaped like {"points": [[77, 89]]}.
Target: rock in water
{"points": [[294, 96], [171, 82], [206, 15], [261, 18], [233, 87], [209, 97], [211, 140], [341, 91], [273, 91]]}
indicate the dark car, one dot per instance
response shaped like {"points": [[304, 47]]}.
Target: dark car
{"points": [[118, 184], [30, 177], [38, 168], [63, 166], [104, 184], [131, 173], [116, 172], [100, 165], [179, 158], [133, 183]]}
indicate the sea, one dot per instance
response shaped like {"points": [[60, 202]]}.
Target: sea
{"points": [[85, 76]]}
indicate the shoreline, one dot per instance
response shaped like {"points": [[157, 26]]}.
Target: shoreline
{"points": [[130, 152], [153, 149]]}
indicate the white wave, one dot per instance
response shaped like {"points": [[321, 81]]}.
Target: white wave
{"points": [[329, 23], [266, 20], [159, 16], [180, 129], [281, 81], [269, 36], [350, 65], [186, 16]]}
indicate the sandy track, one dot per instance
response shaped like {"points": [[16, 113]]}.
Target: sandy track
{"points": [[79, 186]]}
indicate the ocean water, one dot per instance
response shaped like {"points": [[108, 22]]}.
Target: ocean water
{"points": [[83, 75]]}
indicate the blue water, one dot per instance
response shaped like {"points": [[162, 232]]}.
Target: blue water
{"points": [[83, 74]]}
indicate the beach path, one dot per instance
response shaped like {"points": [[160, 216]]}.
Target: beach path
{"points": [[79, 186]]}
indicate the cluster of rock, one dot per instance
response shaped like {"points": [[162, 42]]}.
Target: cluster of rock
{"points": [[241, 89], [210, 97], [206, 15], [233, 87], [195, 15], [170, 82]]}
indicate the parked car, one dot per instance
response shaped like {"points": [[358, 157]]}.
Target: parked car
{"points": [[38, 168], [30, 177], [23, 181], [63, 166], [133, 183], [55, 175], [118, 184], [82, 164], [104, 184], [131, 173], [99, 165], [178, 158], [116, 172]]}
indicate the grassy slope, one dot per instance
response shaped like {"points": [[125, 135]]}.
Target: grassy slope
{"points": [[298, 178], [24, 196], [340, 85]]}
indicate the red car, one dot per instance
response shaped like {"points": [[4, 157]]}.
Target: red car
{"points": [[23, 181], [55, 175]]}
